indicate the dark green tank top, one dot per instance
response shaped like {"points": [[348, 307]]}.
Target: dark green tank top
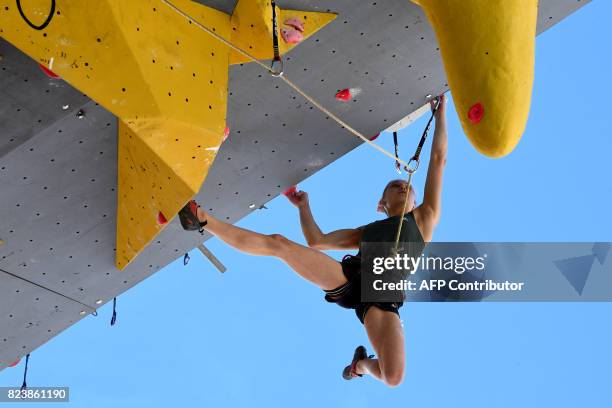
{"points": [[379, 238], [386, 230]]}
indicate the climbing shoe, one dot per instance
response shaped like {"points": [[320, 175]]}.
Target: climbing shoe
{"points": [[189, 218], [349, 371]]}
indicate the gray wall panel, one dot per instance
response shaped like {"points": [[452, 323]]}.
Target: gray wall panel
{"points": [[30, 316], [385, 48], [30, 101]]}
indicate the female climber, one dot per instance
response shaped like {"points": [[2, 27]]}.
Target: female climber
{"points": [[340, 280]]}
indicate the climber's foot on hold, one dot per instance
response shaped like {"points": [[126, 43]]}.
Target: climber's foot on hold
{"points": [[192, 217], [201, 215]]}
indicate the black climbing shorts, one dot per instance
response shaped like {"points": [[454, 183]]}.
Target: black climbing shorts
{"points": [[348, 295]]}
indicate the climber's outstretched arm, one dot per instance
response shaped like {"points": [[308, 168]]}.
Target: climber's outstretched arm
{"points": [[339, 239], [432, 199]]}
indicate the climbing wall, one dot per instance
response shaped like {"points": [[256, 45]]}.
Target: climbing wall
{"points": [[58, 155]]}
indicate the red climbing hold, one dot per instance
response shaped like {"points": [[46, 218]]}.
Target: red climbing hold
{"points": [[291, 35], [344, 95], [14, 363], [226, 133], [347, 94], [295, 23], [290, 191], [161, 219], [48, 72], [476, 113], [374, 137]]}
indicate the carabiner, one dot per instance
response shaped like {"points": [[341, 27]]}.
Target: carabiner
{"points": [[277, 72], [409, 169]]}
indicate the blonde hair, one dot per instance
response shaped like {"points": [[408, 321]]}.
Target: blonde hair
{"points": [[382, 207]]}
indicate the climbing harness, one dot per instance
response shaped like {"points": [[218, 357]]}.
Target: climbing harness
{"points": [[415, 161], [27, 20], [284, 78], [277, 61]]}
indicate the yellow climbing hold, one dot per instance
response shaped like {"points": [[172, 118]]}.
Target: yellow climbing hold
{"points": [[488, 49]]}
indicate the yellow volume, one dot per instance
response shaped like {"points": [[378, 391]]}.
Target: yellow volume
{"points": [[488, 49]]}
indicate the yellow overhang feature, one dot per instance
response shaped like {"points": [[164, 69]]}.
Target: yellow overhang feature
{"points": [[161, 75], [488, 49]]}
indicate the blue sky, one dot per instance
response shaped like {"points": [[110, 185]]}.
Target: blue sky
{"points": [[260, 336]]}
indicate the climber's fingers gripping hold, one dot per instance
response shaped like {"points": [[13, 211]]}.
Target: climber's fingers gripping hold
{"points": [[298, 198], [441, 107]]}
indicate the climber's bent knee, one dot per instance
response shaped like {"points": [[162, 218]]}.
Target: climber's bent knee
{"points": [[277, 244]]}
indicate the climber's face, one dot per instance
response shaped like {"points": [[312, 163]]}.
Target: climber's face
{"points": [[394, 195]]}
